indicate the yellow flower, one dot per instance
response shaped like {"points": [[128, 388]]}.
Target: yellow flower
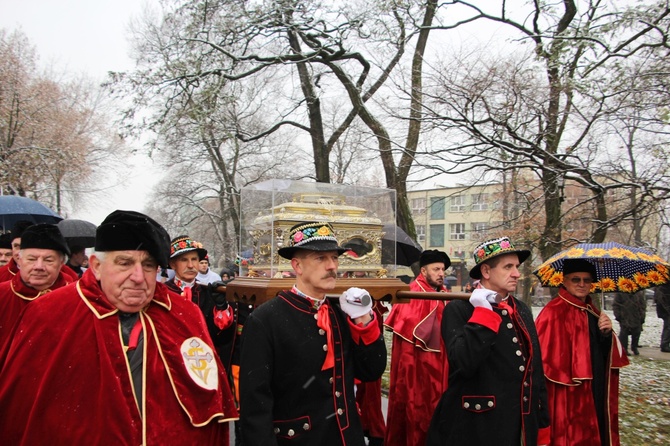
{"points": [[607, 284], [629, 254], [596, 252], [646, 257], [655, 277], [662, 269], [626, 285], [616, 253], [574, 252], [323, 231]]}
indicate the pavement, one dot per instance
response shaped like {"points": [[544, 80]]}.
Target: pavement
{"points": [[653, 353]]}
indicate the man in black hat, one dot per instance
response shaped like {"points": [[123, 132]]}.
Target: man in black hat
{"points": [[581, 361], [301, 352], [76, 259], [41, 258], [496, 392], [117, 349], [5, 248], [12, 267], [415, 391]]}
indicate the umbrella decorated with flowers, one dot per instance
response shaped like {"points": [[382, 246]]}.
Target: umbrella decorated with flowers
{"points": [[619, 267]]}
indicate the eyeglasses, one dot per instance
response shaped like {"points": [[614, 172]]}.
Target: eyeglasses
{"points": [[578, 280]]}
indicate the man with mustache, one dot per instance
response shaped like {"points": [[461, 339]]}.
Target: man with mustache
{"points": [[185, 256], [300, 352], [115, 358], [496, 392]]}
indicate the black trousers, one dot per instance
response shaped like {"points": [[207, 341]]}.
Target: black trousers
{"points": [[634, 333]]}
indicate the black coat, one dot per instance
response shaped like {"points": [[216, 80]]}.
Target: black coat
{"points": [[630, 310], [496, 380], [285, 396], [662, 299]]}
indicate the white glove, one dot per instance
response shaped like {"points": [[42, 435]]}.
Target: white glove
{"points": [[481, 297], [356, 302]]}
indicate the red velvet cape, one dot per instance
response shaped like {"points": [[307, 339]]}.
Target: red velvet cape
{"points": [[563, 331], [419, 368], [66, 379], [14, 296], [9, 270]]}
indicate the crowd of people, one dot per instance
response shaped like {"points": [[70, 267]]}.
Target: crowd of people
{"points": [[111, 349]]}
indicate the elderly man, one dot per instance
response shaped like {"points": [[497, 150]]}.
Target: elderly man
{"points": [[415, 391], [42, 255], [581, 362], [5, 248], [12, 267], [301, 353], [496, 393], [115, 358]]}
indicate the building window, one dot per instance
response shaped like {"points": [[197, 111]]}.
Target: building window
{"points": [[421, 233], [480, 202], [457, 203], [419, 205], [479, 230], [457, 231], [437, 208], [436, 236]]}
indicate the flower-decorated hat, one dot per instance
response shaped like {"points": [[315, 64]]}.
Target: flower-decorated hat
{"points": [[183, 244], [494, 248], [314, 236]]}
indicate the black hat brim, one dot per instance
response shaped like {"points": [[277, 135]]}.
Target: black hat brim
{"points": [[321, 245]]}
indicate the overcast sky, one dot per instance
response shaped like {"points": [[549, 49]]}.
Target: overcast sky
{"points": [[83, 37]]}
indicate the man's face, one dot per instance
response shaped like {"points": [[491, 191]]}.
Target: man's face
{"points": [[39, 268], [316, 271], [16, 247], [578, 284], [5, 255], [434, 274], [127, 278], [77, 258], [185, 266], [504, 276], [203, 266]]}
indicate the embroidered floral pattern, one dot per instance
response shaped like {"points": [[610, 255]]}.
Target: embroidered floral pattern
{"points": [[311, 231]]}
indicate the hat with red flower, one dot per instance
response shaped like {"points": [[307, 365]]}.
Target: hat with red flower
{"points": [[313, 236], [494, 248], [183, 244]]}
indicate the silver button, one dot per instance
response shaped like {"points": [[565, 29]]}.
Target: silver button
{"points": [[509, 325], [330, 380], [291, 432], [478, 406], [322, 331], [276, 430], [518, 352], [337, 394], [306, 426], [521, 368], [525, 398], [504, 312], [340, 411], [515, 340], [315, 317], [490, 403], [325, 347], [466, 405], [525, 384]]}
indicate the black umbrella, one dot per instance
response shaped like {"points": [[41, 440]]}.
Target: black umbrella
{"points": [[398, 248], [78, 232], [14, 208]]}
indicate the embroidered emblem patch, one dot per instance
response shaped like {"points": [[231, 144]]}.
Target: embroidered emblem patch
{"points": [[200, 363]]}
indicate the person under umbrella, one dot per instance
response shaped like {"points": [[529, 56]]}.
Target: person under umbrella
{"points": [[11, 268], [5, 248], [581, 362]]}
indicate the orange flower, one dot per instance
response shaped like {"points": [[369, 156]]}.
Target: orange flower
{"points": [[629, 254], [626, 285], [323, 231], [607, 284], [641, 279], [646, 257], [556, 279], [662, 269], [574, 252], [616, 253], [655, 277]]}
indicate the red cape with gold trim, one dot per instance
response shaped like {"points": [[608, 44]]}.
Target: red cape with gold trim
{"points": [[563, 331], [66, 379], [419, 368]]}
